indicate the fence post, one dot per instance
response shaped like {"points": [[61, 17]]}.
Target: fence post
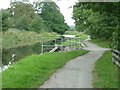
{"points": [[80, 43], [116, 57], [42, 46]]}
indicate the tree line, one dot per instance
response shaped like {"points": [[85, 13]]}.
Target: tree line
{"points": [[38, 17], [99, 20]]}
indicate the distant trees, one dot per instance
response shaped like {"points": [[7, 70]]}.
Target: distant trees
{"points": [[37, 24], [19, 9], [50, 13], [41, 16], [22, 22]]}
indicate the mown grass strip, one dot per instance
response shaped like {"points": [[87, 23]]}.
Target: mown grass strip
{"points": [[106, 73], [101, 43], [32, 71]]}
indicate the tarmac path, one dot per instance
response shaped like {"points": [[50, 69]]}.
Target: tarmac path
{"points": [[77, 73]]}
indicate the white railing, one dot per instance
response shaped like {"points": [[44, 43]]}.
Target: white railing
{"points": [[56, 46]]}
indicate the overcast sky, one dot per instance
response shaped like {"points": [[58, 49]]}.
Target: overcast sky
{"points": [[63, 4]]}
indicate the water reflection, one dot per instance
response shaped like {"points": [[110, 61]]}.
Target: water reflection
{"points": [[15, 54]]}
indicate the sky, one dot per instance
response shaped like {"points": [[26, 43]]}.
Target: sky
{"points": [[63, 4]]}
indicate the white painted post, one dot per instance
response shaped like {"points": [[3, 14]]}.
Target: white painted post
{"points": [[79, 43], [61, 43], [42, 46], [42, 49], [55, 41], [76, 42], [69, 45], [61, 40]]}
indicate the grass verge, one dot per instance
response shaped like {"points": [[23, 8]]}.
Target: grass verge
{"points": [[32, 71], [106, 73], [82, 35], [101, 43], [77, 34]]}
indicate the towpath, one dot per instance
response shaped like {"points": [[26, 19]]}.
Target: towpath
{"points": [[77, 73]]}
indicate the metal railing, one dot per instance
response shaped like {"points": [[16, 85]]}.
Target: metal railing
{"points": [[58, 41]]}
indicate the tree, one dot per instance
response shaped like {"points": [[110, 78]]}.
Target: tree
{"points": [[37, 17], [97, 19], [19, 9], [22, 22], [5, 17], [24, 17], [22, 14], [37, 24], [50, 13]]}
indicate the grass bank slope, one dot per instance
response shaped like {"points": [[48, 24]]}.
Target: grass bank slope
{"points": [[14, 38], [106, 73], [32, 71]]}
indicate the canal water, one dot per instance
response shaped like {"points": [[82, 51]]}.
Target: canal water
{"points": [[20, 52]]}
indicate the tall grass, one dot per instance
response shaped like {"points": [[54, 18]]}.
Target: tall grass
{"points": [[14, 38]]}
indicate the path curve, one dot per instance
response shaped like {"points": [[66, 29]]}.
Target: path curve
{"points": [[77, 73]]}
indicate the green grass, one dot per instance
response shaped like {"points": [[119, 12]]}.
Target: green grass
{"points": [[0, 81], [106, 73], [12, 38], [66, 43], [74, 44], [101, 43], [82, 35], [32, 71], [78, 34]]}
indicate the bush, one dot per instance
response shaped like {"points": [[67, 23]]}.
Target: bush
{"points": [[22, 22], [37, 24]]}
